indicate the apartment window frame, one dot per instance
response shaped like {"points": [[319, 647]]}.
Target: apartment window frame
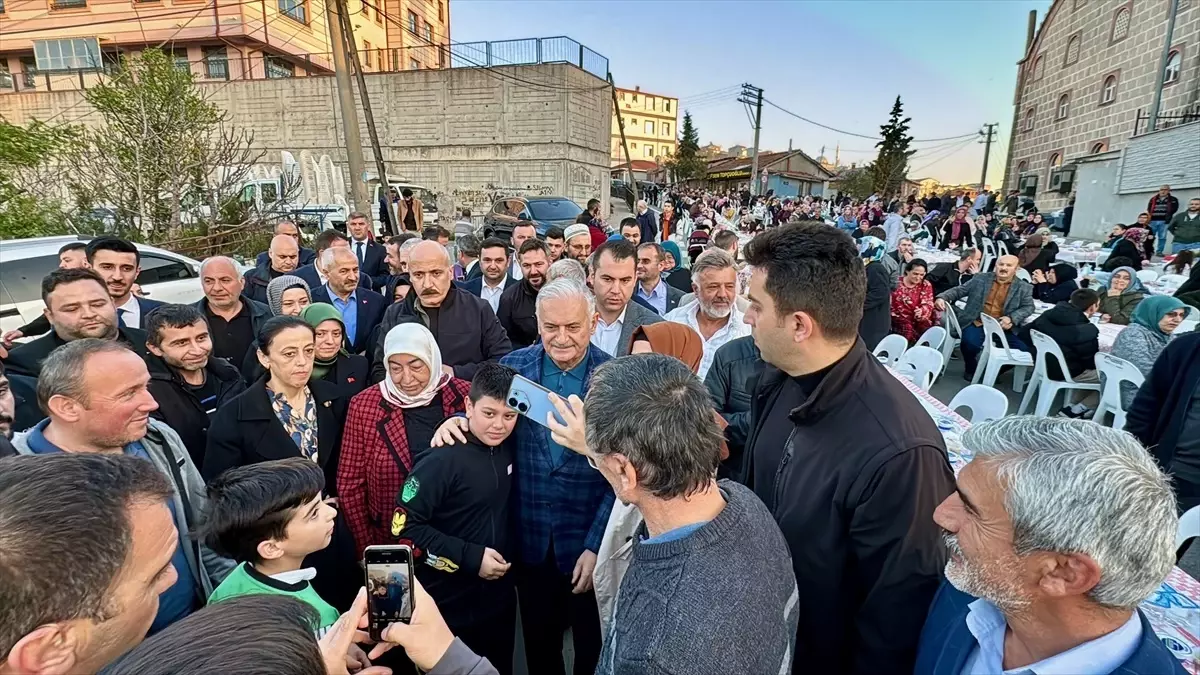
{"points": [[2, 4], [47, 62], [1076, 40], [1030, 115], [412, 22], [1054, 162], [212, 56], [1174, 55], [648, 127], [668, 105], [68, 4], [295, 10], [1022, 168], [1115, 78], [179, 59], [441, 12], [648, 151], [1098, 146], [366, 54], [277, 68], [666, 128], [428, 37], [414, 64], [1124, 10], [1062, 106]]}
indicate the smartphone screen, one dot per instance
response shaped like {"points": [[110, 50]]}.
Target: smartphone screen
{"points": [[531, 400], [389, 572]]}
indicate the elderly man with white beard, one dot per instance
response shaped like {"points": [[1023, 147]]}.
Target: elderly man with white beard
{"points": [[714, 314], [1058, 530]]}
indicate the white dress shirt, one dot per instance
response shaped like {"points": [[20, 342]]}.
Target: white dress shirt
{"points": [[1103, 655], [130, 313], [514, 269], [607, 337], [733, 329], [492, 293]]}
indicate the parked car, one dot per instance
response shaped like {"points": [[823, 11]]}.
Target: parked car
{"points": [[544, 212], [165, 276]]}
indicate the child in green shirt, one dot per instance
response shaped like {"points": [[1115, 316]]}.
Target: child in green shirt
{"points": [[268, 517]]}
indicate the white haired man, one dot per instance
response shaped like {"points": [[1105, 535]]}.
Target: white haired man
{"points": [[1058, 530], [233, 319], [714, 314]]}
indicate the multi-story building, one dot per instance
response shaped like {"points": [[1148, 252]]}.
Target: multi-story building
{"points": [[63, 44], [651, 125], [1087, 82]]}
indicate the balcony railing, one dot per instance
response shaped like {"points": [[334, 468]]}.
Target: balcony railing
{"points": [[1183, 115], [234, 66]]}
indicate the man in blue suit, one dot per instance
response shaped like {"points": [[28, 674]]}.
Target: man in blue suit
{"points": [[118, 262], [313, 274], [361, 308], [372, 257], [1058, 530], [562, 503], [494, 278]]}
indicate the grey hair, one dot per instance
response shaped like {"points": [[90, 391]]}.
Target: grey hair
{"points": [[408, 245], [967, 253], [468, 245], [712, 259], [328, 254], [562, 289], [904, 237], [671, 403], [1073, 486], [63, 370], [567, 268], [218, 258]]}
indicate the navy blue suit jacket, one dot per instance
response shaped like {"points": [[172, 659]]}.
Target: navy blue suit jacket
{"points": [[146, 304], [371, 307], [309, 274], [374, 263], [946, 642], [474, 286]]}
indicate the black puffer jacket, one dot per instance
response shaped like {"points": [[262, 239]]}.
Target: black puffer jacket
{"points": [[179, 408], [1078, 338], [730, 381]]}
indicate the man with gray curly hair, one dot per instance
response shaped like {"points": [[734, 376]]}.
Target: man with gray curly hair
{"points": [[1058, 530]]}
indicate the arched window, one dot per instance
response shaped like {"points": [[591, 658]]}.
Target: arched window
{"points": [[1037, 68], [1029, 120], [1098, 147], [1072, 50], [1121, 24], [1174, 66], [1064, 107], [1022, 168], [1108, 91], [1055, 162]]}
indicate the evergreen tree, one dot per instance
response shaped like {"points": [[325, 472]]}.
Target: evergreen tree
{"points": [[890, 167], [687, 163]]}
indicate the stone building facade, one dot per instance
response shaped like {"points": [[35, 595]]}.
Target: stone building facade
{"points": [[1088, 73]]}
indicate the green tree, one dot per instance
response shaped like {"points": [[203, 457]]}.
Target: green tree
{"points": [[25, 152], [891, 165], [857, 182], [165, 157], [686, 163]]}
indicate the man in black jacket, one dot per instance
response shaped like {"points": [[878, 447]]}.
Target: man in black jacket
{"points": [[307, 255], [454, 510], [79, 306], [1079, 340], [466, 329], [233, 319], [730, 380], [517, 311], [947, 275], [282, 258], [188, 383], [845, 458]]}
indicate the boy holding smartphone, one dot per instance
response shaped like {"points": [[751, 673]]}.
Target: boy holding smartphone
{"points": [[454, 510], [268, 517]]}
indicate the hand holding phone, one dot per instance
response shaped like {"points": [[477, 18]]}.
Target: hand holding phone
{"points": [[389, 582], [531, 400]]}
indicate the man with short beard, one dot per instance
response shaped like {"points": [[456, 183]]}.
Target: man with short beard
{"points": [[186, 380], [714, 314], [78, 305], [651, 288], [118, 262], [517, 304], [464, 326], [1028, 591], [579, 243], [8, 412], [494, 278], [613, 280]]}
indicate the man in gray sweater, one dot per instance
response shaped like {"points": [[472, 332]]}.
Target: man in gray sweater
{"points": [[710, 587]]}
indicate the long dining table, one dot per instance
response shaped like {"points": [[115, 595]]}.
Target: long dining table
{"points": [[1173, 610]]}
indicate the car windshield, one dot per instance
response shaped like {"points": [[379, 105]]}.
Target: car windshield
{"points": [[556, 209]]}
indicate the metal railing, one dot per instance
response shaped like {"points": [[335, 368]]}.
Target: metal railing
{"points": [[1184, 115], [234, 66]]}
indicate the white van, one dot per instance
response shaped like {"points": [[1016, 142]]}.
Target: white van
{"points": [[165, 276]]}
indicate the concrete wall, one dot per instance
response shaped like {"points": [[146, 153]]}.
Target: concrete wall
{"points": [[1114, 187], [467, 134]]}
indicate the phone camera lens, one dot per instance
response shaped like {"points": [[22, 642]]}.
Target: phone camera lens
{"points": [[522, 407], [512, 400]]}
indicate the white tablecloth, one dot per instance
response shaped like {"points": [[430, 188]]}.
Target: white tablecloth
{"points": [[934, 257], [1173, 610]]}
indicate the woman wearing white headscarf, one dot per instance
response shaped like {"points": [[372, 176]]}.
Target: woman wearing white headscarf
{"points": [[388, 426]]}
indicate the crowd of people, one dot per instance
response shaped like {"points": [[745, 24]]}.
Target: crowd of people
{"points": [[730, 481]]}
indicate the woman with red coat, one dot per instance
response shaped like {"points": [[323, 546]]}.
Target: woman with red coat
{"points": [[913, 311], [388, 427]]}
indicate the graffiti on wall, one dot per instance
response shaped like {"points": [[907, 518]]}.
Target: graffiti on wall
{"points": [[481, 199]]}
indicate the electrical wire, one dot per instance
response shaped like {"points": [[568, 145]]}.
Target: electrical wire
{"points": [[851, 133]]}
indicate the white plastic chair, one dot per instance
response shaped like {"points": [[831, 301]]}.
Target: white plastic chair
{"points": [[1186, 327], [1189, 527], [890, 349], [953, 336], [1024, 275], [926, 364], [934, 337], [1147, 276], [1041, 384], [996, 356], [986, 403], [1114, 371]]}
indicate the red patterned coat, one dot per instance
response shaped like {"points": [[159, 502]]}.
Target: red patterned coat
{"points": [[375, 461]]}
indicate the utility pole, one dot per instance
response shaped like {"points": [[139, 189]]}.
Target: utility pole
{"points": [[352, 136], [988, 137], [352, 50], [629, 158], [1162, 67], [752, 95]]}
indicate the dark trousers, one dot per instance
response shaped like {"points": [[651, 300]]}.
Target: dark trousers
{"points": [[972, 345], [548, 609], [493, 639]]}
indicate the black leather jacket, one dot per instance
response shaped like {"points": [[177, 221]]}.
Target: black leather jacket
{"points": [[730, 381]]}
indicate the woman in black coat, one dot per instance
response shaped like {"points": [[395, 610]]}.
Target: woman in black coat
{"points": [[281, 415], [877, 308]]}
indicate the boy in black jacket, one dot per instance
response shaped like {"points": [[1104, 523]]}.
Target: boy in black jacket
{"points": [[454, 510]]}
